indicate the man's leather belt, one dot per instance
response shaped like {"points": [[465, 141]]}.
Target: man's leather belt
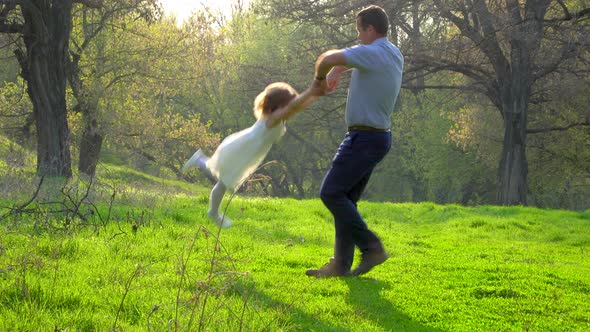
{"points": [[367, 128]]}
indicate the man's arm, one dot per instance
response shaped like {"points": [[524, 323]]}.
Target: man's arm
{"points": [[329, 60], [325, 62], [328, 68]]}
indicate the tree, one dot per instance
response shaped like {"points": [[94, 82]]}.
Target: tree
{"points": [[90, 79], [149, 110], [45, 27], [504, 50]]}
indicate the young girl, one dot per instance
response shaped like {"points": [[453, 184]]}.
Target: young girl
{"points": [[240, 154]]}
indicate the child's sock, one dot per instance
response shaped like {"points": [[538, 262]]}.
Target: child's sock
{"points": [[199, 159], [193, 160], [220, 219]]}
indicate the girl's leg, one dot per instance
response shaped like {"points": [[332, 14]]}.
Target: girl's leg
{"points": [[215, 202]]}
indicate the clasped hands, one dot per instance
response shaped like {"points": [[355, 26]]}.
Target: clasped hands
{"points": [[323, 87], [317, 89]]}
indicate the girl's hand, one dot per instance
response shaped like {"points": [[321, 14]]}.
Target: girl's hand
{"points": [[333, 77], [332, 80], [318, 88]]}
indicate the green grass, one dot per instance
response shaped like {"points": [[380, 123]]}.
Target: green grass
{"points": [[156, 262]]}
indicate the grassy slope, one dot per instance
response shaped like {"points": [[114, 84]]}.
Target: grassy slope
{"points": [[452, 268]]}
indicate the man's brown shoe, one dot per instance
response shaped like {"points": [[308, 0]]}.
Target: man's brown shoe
{"points": [[369, 261], [332, 269]]}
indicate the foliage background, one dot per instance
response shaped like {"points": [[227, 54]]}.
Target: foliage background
{"points": [[164, 90]]}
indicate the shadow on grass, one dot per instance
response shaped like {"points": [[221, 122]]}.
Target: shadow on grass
{"points": [[365, 296], [291, 318], [365, 299]]}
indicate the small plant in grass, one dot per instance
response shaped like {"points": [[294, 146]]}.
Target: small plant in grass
{"points": [[73, 207], [203, 301]]}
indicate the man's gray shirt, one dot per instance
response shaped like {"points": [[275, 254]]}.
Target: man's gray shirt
{"points": [[375, 83]]}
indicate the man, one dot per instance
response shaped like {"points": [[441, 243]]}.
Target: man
{"points": [[377, 67]]}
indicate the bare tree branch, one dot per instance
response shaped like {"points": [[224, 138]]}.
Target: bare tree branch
{"points": [[568, 51], [564, 128], [304, 142], [23, 206], [487, 40], [433, 65], [568, 16], [443, 87], [11, 28], [90, 3]]}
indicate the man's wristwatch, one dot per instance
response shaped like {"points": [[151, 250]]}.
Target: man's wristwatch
{"points": [[320, 78]]}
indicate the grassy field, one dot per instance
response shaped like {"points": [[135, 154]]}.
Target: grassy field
{"points": [[151, 261]]}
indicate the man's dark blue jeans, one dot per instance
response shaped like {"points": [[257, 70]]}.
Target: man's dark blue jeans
{"points": [[357, 156]]}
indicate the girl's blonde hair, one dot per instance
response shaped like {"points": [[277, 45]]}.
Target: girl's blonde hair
{"points": [[274, 96]]}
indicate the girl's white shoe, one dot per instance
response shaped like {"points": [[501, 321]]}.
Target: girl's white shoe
{"points": [[192, 162], [220, 219]]}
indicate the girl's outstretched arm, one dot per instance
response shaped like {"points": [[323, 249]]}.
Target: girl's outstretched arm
{"points": [[299, 103]]}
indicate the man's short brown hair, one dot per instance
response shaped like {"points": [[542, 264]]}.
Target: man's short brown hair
{"points": [[375, 16]]}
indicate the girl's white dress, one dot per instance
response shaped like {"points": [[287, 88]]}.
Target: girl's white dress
{"points": [[240, 154]]}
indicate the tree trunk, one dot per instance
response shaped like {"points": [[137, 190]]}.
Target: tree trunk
{"points": [[88, 96], [90, 146], [46, 36], [513, 164], [92, 136], [515, 94]]}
